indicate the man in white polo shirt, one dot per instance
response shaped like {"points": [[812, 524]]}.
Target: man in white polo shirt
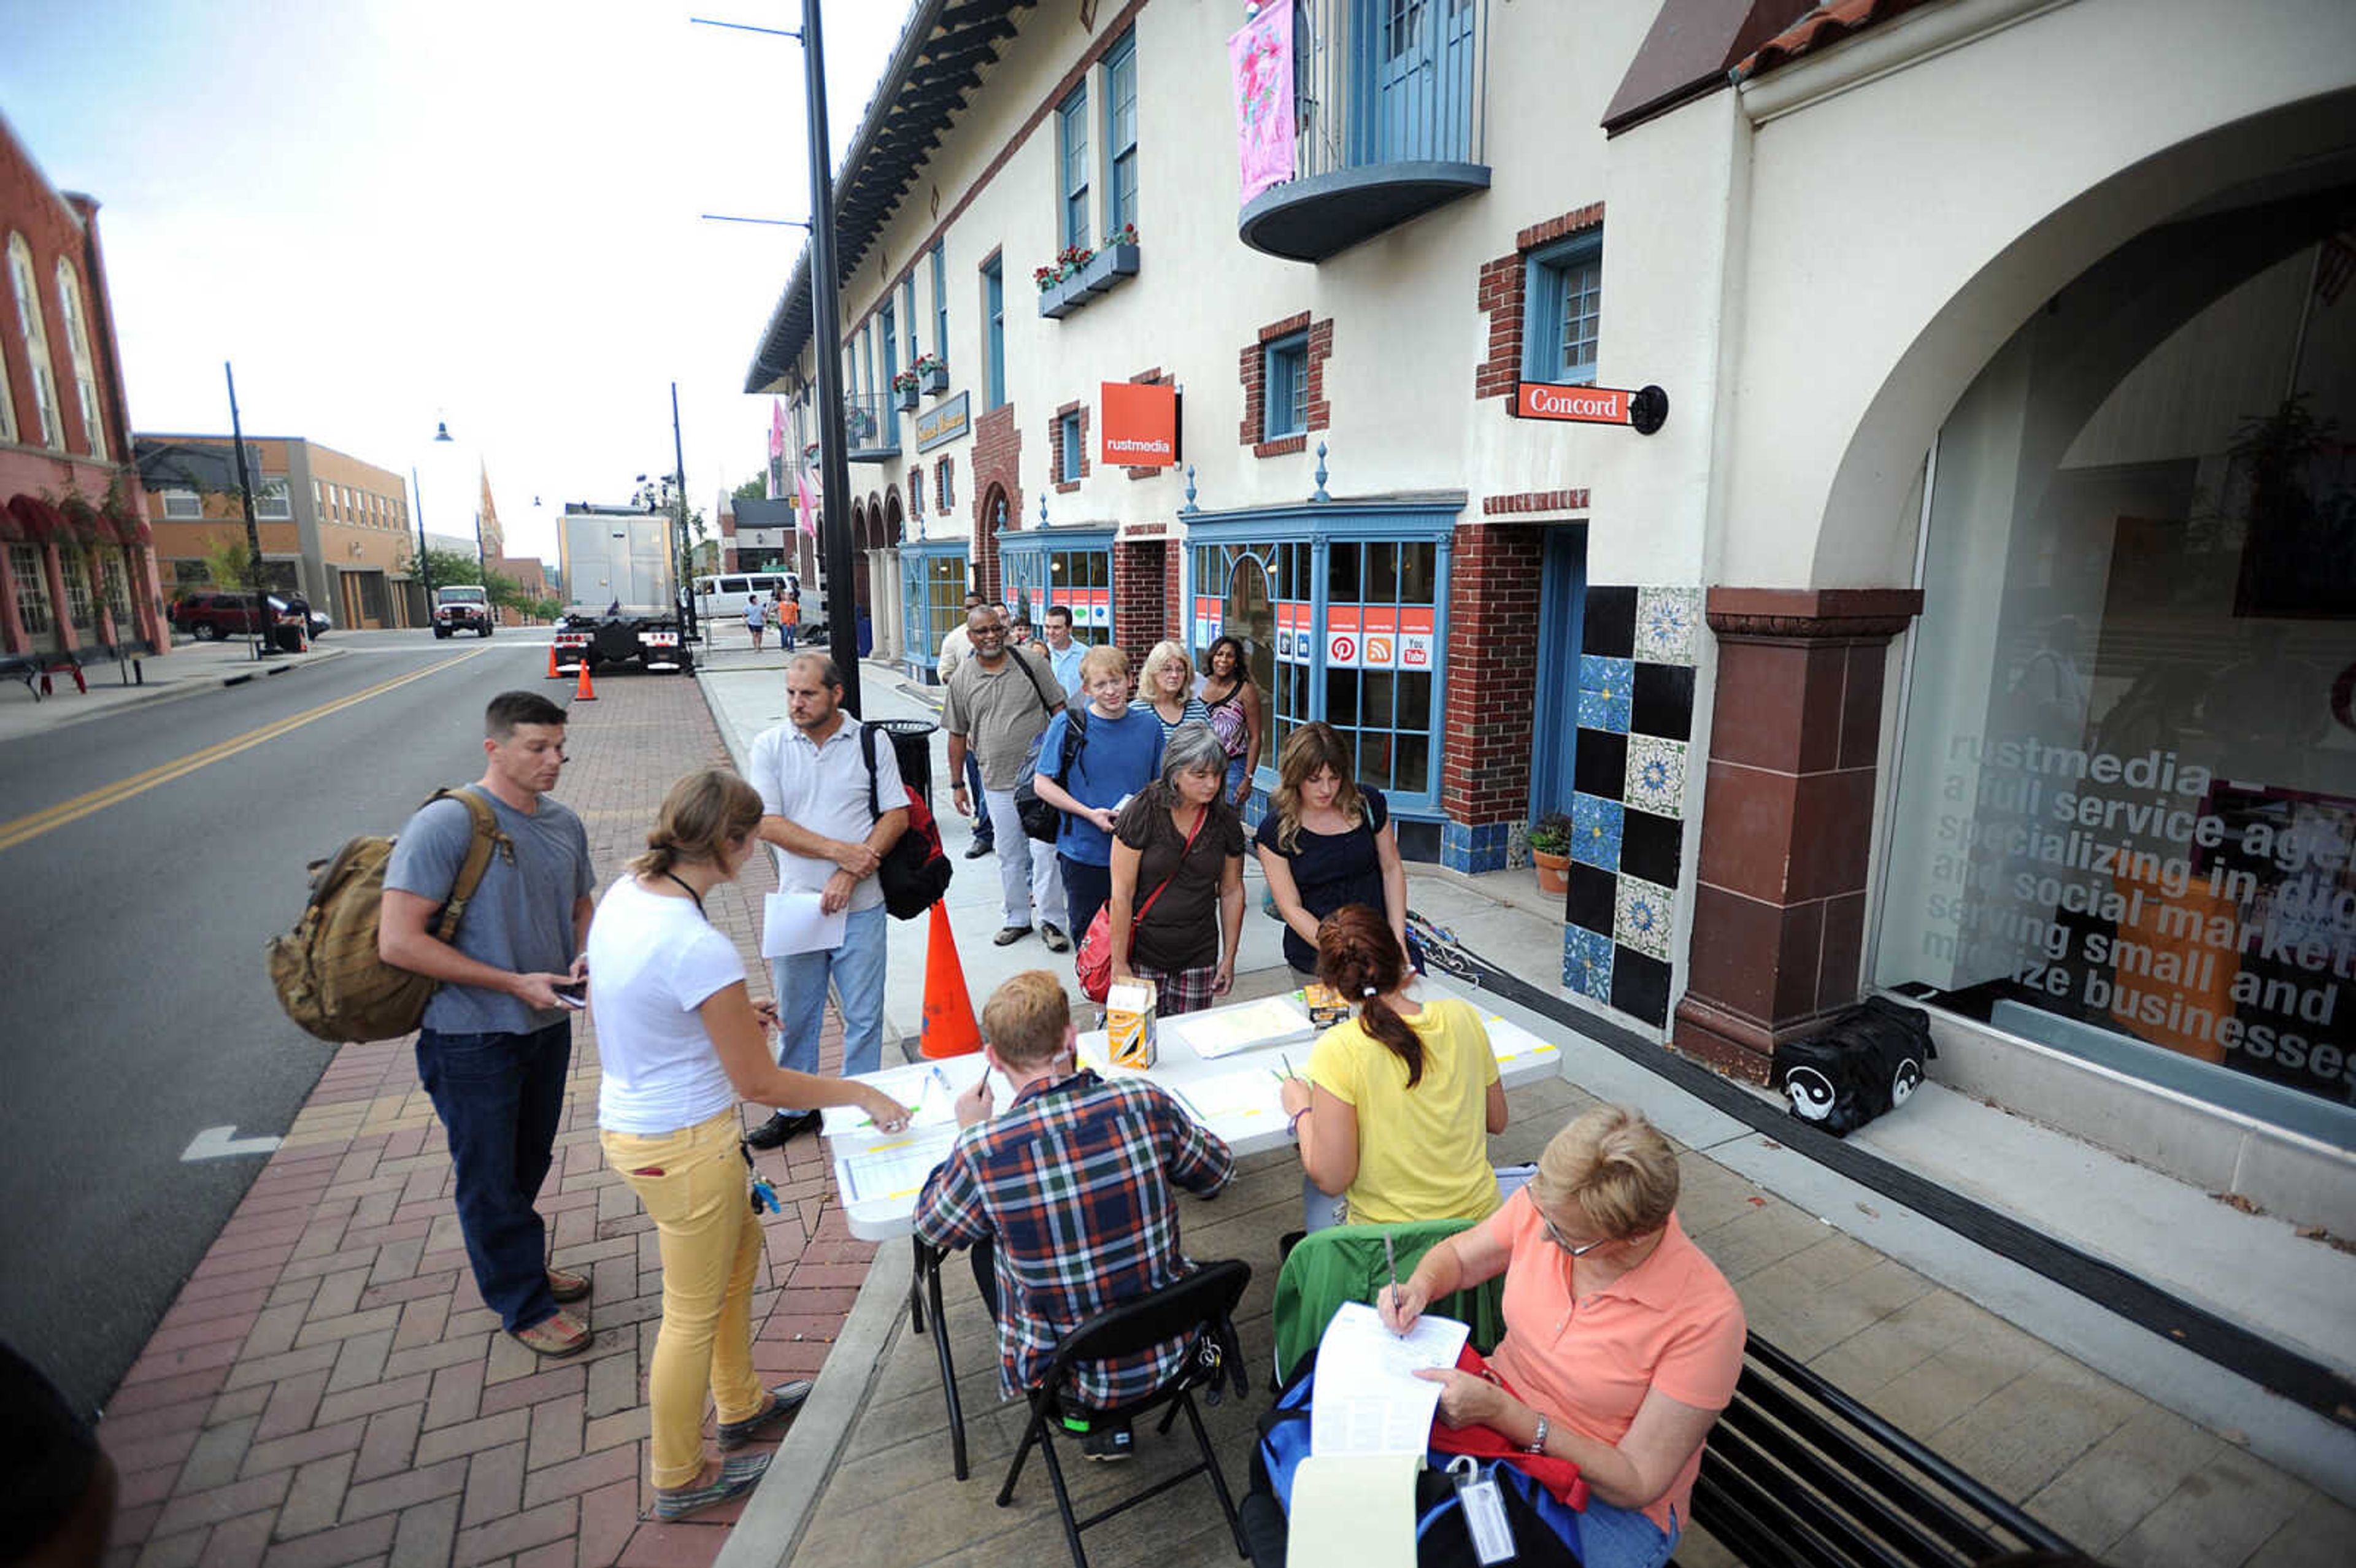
{"points": [[812, 776]]}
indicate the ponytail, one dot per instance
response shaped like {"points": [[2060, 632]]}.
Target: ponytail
{"points": [[1358, 957], [703, 811]]}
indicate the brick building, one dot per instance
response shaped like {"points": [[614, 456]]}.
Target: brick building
{"points": [[81, 578], [1979, 454], [334, 529]]}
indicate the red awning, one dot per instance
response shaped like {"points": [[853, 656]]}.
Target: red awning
{"points": [[12, 527], [40, 520], [109, 530]]}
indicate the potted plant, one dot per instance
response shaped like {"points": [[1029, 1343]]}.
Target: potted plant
{"points": [[932, 374], [904, 390], [1550, 841]]}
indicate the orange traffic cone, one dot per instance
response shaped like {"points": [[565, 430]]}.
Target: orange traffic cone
{"points": [[585, 692], [948, 1027], [553, 673]]}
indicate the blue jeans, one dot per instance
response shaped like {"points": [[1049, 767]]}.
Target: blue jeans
{"points": [[501, 1097], [856, 970], [1086, 890], [1613, 1537], [983, 832]]}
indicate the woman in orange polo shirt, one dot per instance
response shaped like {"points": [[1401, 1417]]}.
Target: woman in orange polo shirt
{"points": [[1622, 1342]]}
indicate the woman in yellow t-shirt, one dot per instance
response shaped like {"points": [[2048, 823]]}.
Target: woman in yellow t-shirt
{"points": [[1395, 1113]]}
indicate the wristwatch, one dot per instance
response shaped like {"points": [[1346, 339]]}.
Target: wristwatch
{"points": [[1538, 1442]]}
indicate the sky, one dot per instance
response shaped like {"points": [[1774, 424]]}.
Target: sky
{"points": [[391, 213]]}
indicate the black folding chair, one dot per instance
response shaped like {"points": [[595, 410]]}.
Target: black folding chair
{"points": [[1199, 1306]]}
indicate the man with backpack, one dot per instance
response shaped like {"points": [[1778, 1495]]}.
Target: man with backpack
{"points": [[812, 773], [496, 1041], [998, 704]]}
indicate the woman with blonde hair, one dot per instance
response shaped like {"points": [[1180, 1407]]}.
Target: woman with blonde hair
{"points": [[1394, 1115], [1165, 683], [1327, 841], [680, 1041], [1622, 1342]]}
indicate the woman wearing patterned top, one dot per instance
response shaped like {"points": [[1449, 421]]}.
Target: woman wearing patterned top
{"points": [[1165, 685]]}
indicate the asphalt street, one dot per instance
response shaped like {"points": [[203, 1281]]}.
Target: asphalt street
{"points": [[137, 1009]]}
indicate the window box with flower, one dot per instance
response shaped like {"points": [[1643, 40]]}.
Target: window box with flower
{"points": [[903, 392], [932, 374], [1080, 274]]}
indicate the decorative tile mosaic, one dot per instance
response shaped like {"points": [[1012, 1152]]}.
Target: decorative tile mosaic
{"points": [[1666, 619], [1656, 775], [1595, 831], [1650, 846], [1476, 849], [1643, 915], [1587, 963], [1600, 766], [1591, 902], [1639, 986], [1606, 689], [1607, 621]]}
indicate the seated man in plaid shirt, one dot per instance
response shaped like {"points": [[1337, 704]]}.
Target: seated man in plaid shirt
{"points": [[1070, 1189]]}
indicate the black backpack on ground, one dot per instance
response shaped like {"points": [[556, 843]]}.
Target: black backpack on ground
{"points": [[915, 871]]}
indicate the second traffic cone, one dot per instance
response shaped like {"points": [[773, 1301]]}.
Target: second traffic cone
{"points": [[553, 673], [949, 1025], [585, 692]]}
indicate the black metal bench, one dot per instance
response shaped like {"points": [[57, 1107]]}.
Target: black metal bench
{"points": [[1799, 1475]]}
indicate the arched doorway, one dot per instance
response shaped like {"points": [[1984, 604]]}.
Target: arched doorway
{"points": [[990, 512], [859, 555], [885, 555]]}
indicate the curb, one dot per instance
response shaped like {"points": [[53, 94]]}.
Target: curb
{"points": [[769, 1530], [170, 691]]}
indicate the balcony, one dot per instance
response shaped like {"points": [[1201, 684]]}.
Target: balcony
{"points": [[871, 428], [1389, 108]]}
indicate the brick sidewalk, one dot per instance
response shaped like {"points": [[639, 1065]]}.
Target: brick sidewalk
{"points": [[328, 1387]]}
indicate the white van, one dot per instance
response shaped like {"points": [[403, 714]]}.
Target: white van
{"points": [[722, 598]]}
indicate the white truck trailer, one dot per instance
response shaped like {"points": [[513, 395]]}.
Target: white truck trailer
{"points": [[621, 586]]}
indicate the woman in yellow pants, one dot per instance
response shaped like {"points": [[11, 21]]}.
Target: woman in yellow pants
{"points": [[680, 1041]]}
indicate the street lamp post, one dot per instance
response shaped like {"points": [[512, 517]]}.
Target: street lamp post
{"points": [[253, 527], [425, 564]]}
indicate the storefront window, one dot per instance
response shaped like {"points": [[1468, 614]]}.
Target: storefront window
{"points": [[933, 580], [75, 569], [32, 588], [1075, 573], [2126, 797]]}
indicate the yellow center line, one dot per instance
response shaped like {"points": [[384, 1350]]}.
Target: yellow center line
{"points": [[34, 825]]}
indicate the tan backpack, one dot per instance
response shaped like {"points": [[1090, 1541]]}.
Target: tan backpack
{"points": [[326, 972]]}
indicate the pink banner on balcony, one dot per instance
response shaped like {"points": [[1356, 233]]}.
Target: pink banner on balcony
{"points": [[807, 521], [776, 449], [1260, 52]]}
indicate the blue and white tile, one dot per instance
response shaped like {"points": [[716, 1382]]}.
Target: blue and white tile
{"points": [[1586, 962], [1607, 687], [1668, 623], [1595, 826], [1643, 915], [1656, 775]]}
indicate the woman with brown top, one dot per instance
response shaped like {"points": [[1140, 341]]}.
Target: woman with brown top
{"points": [[1177, 855]]}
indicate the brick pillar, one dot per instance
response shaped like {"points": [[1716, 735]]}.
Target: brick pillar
{"points": [[997, 464], [1140, 599], [1493, 637], [1787, 817]]}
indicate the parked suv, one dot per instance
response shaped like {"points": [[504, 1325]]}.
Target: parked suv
{"points": [[209, 616], [463, 608]]}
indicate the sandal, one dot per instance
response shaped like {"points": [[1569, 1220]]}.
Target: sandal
{"points": [[566, 1285], [561, 1334], [736, 1478], [784, 1400]]}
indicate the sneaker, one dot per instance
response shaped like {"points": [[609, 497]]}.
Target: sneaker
{"points": [[1054, 938], [737, 1477], [978, 849], [1109, 1445], [560, 1336], [1009, 936], [566, 1285], [784, 1400]]}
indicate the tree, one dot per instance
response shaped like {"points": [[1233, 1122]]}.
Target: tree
{"points": [[449, 567], [227, 564], [756, 488]]}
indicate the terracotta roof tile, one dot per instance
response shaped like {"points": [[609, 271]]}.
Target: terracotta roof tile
{"points": [[1820, 29]]}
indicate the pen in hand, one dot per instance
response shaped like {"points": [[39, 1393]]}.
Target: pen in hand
{"points": [[1390, 1256]]}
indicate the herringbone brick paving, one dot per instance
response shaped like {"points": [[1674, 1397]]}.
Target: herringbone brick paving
{"points": [[328, 1387]]}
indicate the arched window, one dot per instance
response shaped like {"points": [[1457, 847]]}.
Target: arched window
{"points": [[77, 318], [32, 327]]}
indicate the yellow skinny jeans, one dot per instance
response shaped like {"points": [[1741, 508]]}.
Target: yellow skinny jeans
{"points": [[692, 1184]]}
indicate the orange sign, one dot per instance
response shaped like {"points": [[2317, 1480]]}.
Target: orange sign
{"points": [[1578, 405], [1139, 424]]}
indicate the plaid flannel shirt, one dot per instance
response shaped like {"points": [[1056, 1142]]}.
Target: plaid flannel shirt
{"points": [[1074, 1181]]}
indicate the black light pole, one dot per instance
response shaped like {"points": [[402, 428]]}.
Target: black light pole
{"points": [[252, 529], [688, 631], [834, 464], [425, 566]]}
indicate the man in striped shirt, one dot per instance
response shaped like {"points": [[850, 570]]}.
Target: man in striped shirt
{"points": [[1066, 1198]]}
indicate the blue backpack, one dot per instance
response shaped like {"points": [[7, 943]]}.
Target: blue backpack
{"points": [[1546, 1530]]}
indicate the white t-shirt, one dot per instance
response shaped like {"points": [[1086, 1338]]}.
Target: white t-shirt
{"points": [[824, 789], [652, 962]]}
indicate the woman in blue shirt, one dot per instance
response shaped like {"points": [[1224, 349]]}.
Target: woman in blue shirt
{"points": [[1117, 752]]}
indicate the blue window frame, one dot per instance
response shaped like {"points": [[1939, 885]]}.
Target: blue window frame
{"points": [[1072, 168], [1069, 567], [1562, 305], [1284, 387], [993, 311], [1067, 448], [940, 303], [932, 597], [908, 314], [887, 329], [1121, 133]]}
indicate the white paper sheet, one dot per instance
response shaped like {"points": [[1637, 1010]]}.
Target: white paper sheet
{"points": [[893, 1171], [793, 923], [1353, 1510], [1223, 1031], [1369, 1400]]}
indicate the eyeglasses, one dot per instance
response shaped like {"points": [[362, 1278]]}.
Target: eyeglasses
{"points": [[1559, 1240]]}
